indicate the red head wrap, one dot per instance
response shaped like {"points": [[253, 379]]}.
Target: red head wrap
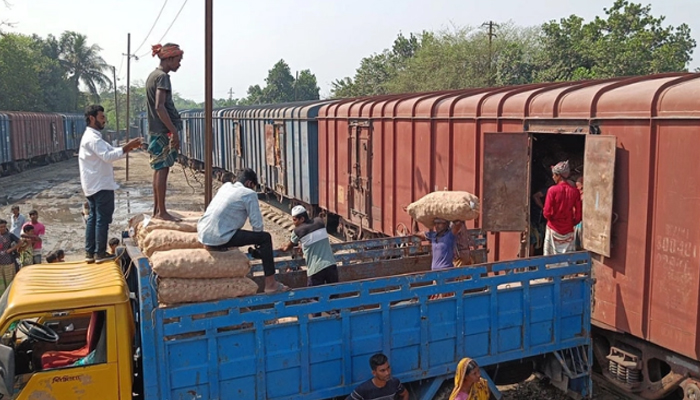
{"points": [[167, 51]]}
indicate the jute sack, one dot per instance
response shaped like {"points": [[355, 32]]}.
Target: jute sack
{"points": [[177, 290], [451, 206], [186, 225], [166, 239], [200, 263], [189, 222]]}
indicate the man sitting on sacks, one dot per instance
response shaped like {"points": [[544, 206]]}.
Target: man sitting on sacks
{"points": [[312, 235], [220, 226]]}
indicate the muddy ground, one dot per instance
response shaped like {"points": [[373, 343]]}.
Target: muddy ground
{"points": [[54, 191]]}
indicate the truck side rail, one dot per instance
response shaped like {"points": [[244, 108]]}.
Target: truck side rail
{"points": [[347, 253], [279, 347]]}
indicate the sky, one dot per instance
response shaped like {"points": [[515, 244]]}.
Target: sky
{"points": [[329, 37]]}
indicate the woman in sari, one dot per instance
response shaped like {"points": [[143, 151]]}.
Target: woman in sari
{"points": [[469, 385]]}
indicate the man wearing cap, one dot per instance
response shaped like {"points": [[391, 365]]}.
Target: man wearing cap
{"points": [[312, 235], [163, 124], [220, 226], [562, 209]]}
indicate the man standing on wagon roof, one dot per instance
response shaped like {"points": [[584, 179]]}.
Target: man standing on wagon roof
{"points": [[164, 124]]}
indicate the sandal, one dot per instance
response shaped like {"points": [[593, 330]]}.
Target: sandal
{"points": [[281, 287]]}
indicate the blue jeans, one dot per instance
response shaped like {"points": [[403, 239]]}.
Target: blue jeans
{"points": [[101, 210]]}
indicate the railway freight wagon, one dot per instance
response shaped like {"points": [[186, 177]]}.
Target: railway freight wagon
{"points": [[280, 142], [73, 127], [192, 138], [633, 139], [5, 143], [36, 137]]}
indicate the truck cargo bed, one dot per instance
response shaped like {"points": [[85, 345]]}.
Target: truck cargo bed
{"points": [[303, 344]]}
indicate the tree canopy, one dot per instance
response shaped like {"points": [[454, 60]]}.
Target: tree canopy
{"points": [[281, 87], [627, 40], [45, 74]]}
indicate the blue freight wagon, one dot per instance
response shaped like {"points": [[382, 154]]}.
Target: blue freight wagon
{"points": [[315, 342], [5, 144], [74, 126], [280, 143]]}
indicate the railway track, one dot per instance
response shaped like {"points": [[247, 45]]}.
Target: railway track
{"points": [[283, 218], [604, 390]]}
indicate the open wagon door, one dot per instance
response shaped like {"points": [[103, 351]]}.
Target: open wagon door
{"points": [[599, 174], [506, 182]]}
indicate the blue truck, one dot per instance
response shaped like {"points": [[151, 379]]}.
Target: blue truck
{"points": [[315, 342], [86, 331]]}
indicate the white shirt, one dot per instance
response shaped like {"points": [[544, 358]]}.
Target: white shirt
{"points": [[227, 213], [95, 159]]}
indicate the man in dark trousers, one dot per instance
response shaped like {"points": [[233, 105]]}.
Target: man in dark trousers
{"points": [[164, 124], [313, 237], [95, 159], [220, 226], [382, 386]]}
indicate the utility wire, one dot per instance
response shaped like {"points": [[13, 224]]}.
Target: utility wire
{"points": [[120, 69], [167, 30], [152, 26]]}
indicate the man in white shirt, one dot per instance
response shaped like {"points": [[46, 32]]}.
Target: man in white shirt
{"points": [[17, 221], [95, 158], [221, 225]]}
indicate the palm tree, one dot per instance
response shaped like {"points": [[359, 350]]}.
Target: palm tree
{"points": [[83, 64]]}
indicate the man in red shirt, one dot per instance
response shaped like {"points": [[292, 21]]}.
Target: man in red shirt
{"points": [[562, 209]]}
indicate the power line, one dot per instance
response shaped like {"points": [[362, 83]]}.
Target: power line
{"points": [[168, 30], [152, 26], [120, 68]]}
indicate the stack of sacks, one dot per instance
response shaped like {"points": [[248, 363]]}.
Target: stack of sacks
{"points": [[450, 206], [195, 275], [142, 225], [188, 273]]}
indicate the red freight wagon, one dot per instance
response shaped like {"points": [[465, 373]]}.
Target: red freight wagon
{"points": [[634, 140], [36, 136]]}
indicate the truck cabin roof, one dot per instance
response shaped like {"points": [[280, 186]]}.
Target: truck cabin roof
{"points": [[63, 286]]}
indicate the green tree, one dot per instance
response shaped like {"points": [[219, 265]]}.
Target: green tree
{"points": [[462, 58], [19, 83], [83, 63], [282, 87], [629, 40], [230, 102], [376, 71], [255, 96], [279, 86], [306, 86], [57, 93]]}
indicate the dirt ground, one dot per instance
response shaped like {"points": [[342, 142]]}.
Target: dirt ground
{"points": [[54, 191]]}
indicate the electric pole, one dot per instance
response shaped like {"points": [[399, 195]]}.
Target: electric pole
{"points": [[230, 94], [128, 87], [116, 99], [208, 99], [491, 35]]}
